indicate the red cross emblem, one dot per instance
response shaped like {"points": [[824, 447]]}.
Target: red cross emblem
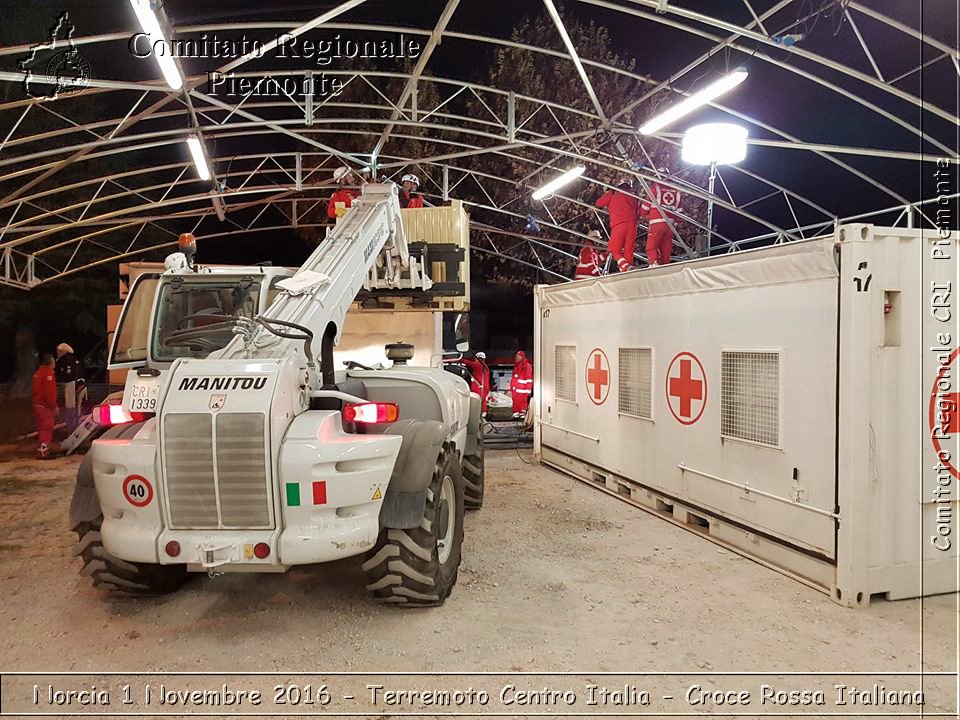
{"points": [[686, 388], [598, 376]]}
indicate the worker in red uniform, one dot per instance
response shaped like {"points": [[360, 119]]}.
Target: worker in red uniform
{"points": [[659, 234], [409, 197], [45, 403], [521, 384], [590, 258], [481, 378], [623, 224], [343, 197]]}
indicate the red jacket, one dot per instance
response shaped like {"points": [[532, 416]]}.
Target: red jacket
{"points": [[481, 379], [521, 384], [589, 265], [343, 195], [45, 388], [411, 200], [623, 208], [669, 199]]}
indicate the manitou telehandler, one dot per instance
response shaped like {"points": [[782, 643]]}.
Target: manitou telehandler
{"points": [[239, 448]]}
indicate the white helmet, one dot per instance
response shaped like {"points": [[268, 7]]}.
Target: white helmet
{"points": [[410, 177], [176, 261], [481, 355], [340, 173]]}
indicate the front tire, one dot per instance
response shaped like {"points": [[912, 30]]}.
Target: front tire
{"points": [[418, 567], [473, 475]]}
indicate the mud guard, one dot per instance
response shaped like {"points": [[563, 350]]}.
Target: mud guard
{"points": [[85, 507], [473, 427], [406, 496]]}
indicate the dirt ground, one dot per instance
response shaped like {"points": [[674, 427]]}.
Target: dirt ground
{"points": [[556, 576]]}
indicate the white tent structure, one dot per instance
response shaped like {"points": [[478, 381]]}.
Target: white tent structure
{"points": [[272, 158]]}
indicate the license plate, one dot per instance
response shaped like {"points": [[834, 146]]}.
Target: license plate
{"points": [[143, 396]]}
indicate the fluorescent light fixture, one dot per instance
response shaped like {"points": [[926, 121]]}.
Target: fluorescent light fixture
{"points": [[720, 143], [151, 27], [697, 100], [196, 149], [559, 181]]}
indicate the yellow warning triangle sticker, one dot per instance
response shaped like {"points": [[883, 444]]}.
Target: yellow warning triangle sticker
{"points": [[376, 495]]}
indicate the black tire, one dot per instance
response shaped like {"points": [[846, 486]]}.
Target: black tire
{"points": [[113, 574], [473, 475], [404, 567]]}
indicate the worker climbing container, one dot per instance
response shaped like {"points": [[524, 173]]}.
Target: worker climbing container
{"points": [[796, 403]]}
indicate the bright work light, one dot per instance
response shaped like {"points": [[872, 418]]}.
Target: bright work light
{"points": [[714, 144], [196, 150], [698, 99], [151, 27], [559, 181], [720, 143]]}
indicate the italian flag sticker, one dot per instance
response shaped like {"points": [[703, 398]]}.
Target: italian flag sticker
{"points": [[316, 490]]}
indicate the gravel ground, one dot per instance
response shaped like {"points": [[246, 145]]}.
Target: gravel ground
{"points": [[556, 576]]}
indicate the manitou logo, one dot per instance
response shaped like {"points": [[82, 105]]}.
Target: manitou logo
{"points": [[223, 383]]}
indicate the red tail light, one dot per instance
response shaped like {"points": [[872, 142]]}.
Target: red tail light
{"points": [[371, 412], [115, 415], [261, 551], [172, 548]]}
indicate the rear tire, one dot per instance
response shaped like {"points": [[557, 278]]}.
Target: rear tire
{"points": [[121, 576], [113, 574], [418, 567], [473, 475]]}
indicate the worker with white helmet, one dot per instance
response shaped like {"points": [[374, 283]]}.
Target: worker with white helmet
{"points": [[409, 197], [343, 197], [481, 378], [590, 259]]}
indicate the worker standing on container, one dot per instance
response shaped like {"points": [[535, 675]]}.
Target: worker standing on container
{"points": [[623, 208], [590, 258], [409, 197], [521, 384], [45, 403], [343, 197], [659, 234], [481, 378], [67, 372]]}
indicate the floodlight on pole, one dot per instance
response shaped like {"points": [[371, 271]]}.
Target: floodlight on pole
{"points": [[720, 143], [150, 24], [714, 144], [199, 159], [700, 98], [559, 181]]}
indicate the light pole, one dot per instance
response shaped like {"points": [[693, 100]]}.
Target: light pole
{"points": [[714, 144]]}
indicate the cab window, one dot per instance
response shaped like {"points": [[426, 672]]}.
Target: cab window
{"points": [[130, 338], [196, 318]]}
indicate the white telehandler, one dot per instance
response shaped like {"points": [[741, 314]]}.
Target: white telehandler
{"points": [[239, 448]]}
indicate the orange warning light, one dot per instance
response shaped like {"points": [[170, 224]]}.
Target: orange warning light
{"points": [[187, 242]]}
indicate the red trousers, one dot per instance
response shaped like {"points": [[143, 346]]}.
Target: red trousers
{"points": [[659, 243], [623, 241], [45, 422], [520, 400]]}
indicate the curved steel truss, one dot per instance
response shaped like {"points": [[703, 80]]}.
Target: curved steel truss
{"points": [[272, 157]]}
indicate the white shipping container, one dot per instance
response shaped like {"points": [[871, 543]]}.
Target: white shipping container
{"points": [[789, 403]]}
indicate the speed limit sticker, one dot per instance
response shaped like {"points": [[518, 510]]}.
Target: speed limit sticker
{"points": [[137, 490]]}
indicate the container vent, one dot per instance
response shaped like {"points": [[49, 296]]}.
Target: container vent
{"points": [[750, 396], [565, 372], [636, 381]]}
